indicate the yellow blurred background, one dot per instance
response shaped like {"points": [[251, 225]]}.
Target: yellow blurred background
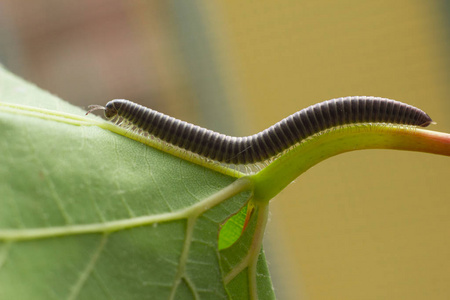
{"points": [[371, 224]]}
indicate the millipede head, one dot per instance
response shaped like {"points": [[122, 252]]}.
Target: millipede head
{"points": [[110, 109]]}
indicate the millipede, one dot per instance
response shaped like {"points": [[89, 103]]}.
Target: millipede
{"points": [[270, 142]]}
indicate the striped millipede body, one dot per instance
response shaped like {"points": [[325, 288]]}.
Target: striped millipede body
{"points": [[271, 141]]}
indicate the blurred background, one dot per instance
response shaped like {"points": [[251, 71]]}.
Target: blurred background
{"points": [[372, 224]]}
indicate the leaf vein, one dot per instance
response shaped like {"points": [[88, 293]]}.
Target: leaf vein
{"points": [[88, 270]]}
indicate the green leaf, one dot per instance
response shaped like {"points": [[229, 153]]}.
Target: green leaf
{"points": [[90, 214]]}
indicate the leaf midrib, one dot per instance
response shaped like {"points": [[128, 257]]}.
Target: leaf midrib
{"points": [[195, 210]]}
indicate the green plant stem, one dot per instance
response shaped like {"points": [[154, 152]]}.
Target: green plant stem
{"points": [[255, 248], [250, 261], [276, 176]]}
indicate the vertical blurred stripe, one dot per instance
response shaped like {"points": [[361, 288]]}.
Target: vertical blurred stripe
{"points": [[202, 65], [160, 59]]}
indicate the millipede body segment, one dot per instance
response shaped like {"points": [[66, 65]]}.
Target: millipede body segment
{"points": [[273, 140]]}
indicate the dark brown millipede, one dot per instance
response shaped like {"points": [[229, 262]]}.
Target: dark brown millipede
{"points": [[271, 141]]}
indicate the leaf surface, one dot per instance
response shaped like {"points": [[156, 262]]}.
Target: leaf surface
{"points": [[90, 214]]}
